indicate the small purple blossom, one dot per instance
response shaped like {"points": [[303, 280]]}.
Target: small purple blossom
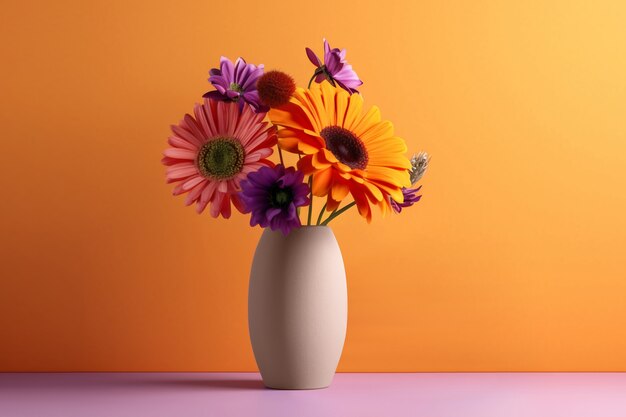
{"points": [[236, 83], [410, 198], [272, 195], [335, 68]]}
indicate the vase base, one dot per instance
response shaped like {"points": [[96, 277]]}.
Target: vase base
{"points": [[295, 387]]}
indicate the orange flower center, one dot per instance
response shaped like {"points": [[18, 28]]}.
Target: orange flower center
{"points": [[346, 146]]}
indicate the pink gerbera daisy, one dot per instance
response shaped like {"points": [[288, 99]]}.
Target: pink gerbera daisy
{"points": [[213, 151]]}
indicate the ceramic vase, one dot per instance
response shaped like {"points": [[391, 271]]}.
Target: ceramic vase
{"points": [[297, 307]]}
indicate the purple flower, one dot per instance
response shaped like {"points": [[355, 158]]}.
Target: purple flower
{"points": [[335, 68], [236, 83], [272, 196], [410, 198]]}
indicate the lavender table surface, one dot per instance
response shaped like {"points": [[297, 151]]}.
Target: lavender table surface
{"points": [[359, 395]]}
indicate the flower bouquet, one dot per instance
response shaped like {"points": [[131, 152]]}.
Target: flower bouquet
{"points": [[345, 155]]}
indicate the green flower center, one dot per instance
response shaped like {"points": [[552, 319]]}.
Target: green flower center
{"points": [[346, 146], [235, 87], [280, 197], [221, 158]]}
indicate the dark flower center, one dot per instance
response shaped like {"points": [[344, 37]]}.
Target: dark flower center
{"points": [[235, 87], [221, 158], [346, 146], [280, 197]]}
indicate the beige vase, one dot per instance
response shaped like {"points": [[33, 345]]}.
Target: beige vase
{"points": [[297, 307]]}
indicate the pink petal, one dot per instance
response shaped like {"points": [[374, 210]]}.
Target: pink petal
{"points": [[180, 171], [259, 154], [239, 205], [221, 119], [178, 190], [192, 125], [198, 111], [232, 114], [192, 182], [207, 193], [181, 153], [216, 204], [201, 206], [265, 139], [225, 209], [181, 143], [194, 193], [186, 135], [254, 166], [209, 111]]}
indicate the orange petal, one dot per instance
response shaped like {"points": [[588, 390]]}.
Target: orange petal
{"points": [[389, 160], [322, 180], [305, 165], [332, 205], [341, 106], [362, 203], [353, 113], [391, 190], [370, 118], [391, 144], [382, 130], [329, 156], [329, 94], [318, 161], [384, 207], [288, 144], [398, 177], [291, 115], [339, 190], [373, 192], [306, 143], [315, 103]]}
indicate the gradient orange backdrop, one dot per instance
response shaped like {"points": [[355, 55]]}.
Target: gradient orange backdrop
{"points": [[514, 259]]}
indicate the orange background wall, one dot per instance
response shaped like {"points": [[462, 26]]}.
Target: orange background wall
{"points": [[514, 259]]}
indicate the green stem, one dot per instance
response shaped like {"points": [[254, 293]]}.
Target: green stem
{"points": [[318, 71], [337, 213], [311, 203], [334, 211], [319, 218], [280, 155]]}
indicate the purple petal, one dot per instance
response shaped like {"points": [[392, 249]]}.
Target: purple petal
{"points": [[232, 94], [252, 97], [222, 90], [218, 80], [333, 64], [313, 58], [215, 95], [272, 212], [251, 79], [240, 72], [292, 213], [226, 66], [326, 49], [320, 78]]}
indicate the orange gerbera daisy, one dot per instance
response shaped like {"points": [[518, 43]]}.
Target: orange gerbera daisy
{"points": [[344, 150]]}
